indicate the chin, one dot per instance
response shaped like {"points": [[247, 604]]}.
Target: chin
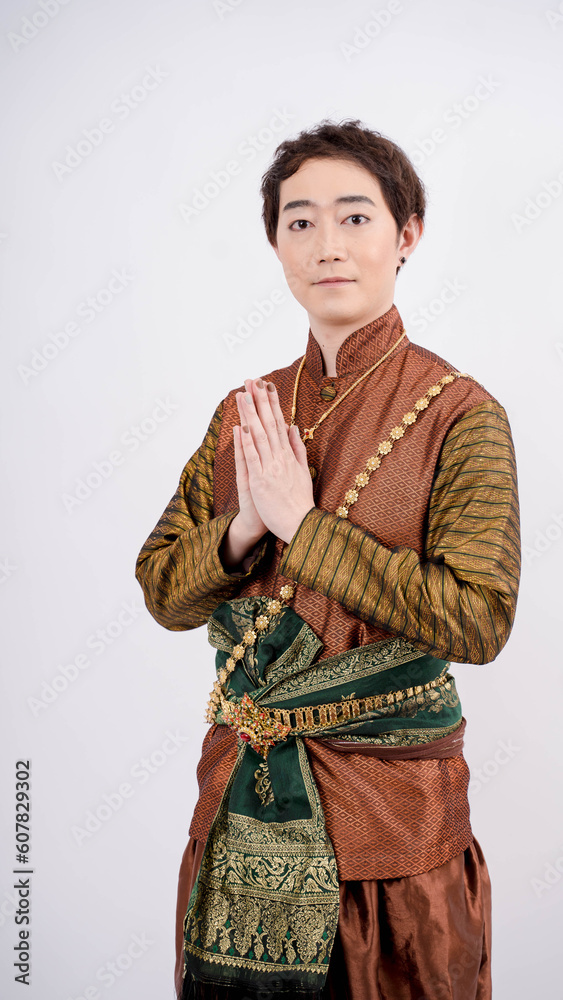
{"points": [[344, 312]]}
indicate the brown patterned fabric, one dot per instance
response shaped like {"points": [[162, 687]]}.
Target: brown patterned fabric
{"points": [[391, 818], [218, 756], [430, 552], [412, 818]]}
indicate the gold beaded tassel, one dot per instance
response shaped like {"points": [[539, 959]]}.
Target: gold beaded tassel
{"points": [[395, 434], [261, 623]]}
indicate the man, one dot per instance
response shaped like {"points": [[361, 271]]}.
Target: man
{"points": [[348, 526]]}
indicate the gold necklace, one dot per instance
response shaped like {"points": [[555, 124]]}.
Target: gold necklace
{"points": [[266, 733], [309, 431]]}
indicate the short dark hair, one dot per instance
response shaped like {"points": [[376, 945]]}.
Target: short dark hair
{"points": [[401, 186]]}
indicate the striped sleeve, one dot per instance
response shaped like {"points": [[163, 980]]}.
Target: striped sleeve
{"points": [[179, 566], [457, 602]]}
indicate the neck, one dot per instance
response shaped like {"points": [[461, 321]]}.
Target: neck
{"points": [[330, 345], [330, 337]]}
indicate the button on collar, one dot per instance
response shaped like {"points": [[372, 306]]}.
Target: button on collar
{"points": [[328, 392]]}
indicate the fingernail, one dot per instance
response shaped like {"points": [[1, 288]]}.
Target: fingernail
{"points": [[259, 383], [271, 387], [245, 428], [248, 399]]}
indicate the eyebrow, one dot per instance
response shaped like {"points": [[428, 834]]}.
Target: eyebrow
{"points": [[346, 199]]}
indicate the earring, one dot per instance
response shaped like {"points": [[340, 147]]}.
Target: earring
{"points": [[403, 260]]}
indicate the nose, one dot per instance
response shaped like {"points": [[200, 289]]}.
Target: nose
{"points": [[329, 245]]}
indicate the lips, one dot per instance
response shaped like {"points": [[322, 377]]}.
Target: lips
{"points": [[335, 281]]}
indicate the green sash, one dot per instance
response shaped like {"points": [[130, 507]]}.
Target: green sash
{"points": [[263, 911]]}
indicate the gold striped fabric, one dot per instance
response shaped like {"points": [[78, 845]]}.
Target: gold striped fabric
{"points": [[179, 567], [459, 601]]}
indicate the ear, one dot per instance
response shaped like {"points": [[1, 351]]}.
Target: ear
{"points": [[410, 235]]}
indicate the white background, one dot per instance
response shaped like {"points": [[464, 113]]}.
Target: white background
{"points": [[221, 74]]}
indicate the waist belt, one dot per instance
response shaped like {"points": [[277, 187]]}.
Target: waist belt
{"points": [[253, 724], [447, 746]]}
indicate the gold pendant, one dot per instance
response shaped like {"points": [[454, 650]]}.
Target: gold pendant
{"points": [[263, 784], [308, 434], [253, 725]]}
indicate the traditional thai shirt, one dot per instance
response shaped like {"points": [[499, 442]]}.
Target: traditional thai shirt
{"points": [[430, 552]]}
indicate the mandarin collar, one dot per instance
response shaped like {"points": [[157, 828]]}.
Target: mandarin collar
{"points": [[361, 348]]}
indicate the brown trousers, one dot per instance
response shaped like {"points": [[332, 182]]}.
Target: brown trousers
{"points": [[422, 937]]}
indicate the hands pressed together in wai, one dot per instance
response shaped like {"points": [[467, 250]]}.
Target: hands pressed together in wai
{"points": [[273, 479]]}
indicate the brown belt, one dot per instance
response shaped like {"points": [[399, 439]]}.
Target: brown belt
{"points": [[447, 746]]}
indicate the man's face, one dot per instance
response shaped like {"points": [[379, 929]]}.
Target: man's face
{"points": [[334, 223]]}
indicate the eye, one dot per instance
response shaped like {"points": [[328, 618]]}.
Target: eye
{"points": [[299, 224], [356, 219]]}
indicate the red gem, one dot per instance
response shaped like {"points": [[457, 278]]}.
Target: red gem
{"points": [[245, 737]]}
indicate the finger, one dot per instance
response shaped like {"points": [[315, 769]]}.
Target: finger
{"points": [[249, 386], [274, 399], [252, 455], [249, 417], [271, 424], [269, 394], [298, 446], [240, 461], [239, 399], [258, 433]]}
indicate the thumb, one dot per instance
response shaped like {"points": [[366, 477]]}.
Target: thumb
{"points": [[241, 468], [298, 446]]}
